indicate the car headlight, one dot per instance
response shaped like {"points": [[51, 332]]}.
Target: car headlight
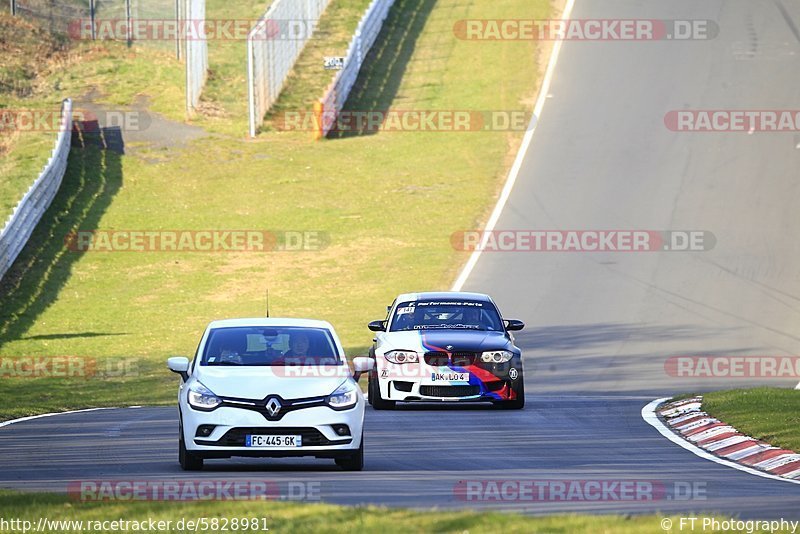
{"points": [[497, 356], [202, 398], [344, 397], [402, 356]]}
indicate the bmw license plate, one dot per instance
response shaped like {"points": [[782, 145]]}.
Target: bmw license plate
{"points": [[449, 377], [265, 442]]}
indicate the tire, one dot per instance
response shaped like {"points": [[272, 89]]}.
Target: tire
{"points": [[519, 402], [353, 462], [375, 399], [188, 461]]}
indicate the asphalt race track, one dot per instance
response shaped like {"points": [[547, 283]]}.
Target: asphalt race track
{"points": [[600, 325]]}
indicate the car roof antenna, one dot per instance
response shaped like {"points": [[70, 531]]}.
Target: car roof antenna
{"points": [[267, 302]]}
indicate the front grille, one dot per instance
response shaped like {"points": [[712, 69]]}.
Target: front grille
{"points": [[449, 391], [437, 358], [463, 359], [459, 359], [235, 437]]}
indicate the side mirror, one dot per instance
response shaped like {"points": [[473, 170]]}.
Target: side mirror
{"points": [[362, 365], [512, 325], [377, 326], [180, 365]]}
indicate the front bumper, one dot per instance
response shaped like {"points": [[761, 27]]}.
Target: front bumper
{"points": [[415, 382], [317, 426]]}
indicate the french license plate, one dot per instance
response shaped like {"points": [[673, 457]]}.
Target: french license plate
{"points": [[449, 377], [253, 440]]}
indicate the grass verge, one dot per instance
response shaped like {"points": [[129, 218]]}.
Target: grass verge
{"points": [[387, 203], [319, 518], [769, 414]]}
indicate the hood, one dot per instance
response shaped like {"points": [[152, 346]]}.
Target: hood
{"points": [[259, 382], [438, 340]]}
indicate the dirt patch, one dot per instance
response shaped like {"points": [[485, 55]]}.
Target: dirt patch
{"points": [[139, 129]]}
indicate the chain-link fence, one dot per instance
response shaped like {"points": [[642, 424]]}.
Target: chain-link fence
{"points": [[162, 24], [103, 19], [273, 46]]}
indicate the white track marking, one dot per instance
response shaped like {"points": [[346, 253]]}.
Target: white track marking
{"points": [[32, 417], [650, 417], [515, 170]]}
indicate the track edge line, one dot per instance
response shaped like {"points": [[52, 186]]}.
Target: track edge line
{"points": [[523, 150]]}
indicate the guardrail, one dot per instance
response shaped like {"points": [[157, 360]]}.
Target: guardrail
{"points": [[335, 97], [29, 211], [273, 46]]}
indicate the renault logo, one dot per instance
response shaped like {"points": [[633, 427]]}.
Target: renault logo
{"points": [[273, 407]]}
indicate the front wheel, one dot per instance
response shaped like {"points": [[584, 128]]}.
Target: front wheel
{"points": [[375, 399], [353, 462], [188, 461]]}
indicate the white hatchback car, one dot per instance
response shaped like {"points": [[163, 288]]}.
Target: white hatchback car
{"points": [[270, 388]]}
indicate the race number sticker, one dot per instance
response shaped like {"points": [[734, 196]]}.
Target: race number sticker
{"points": [[403, 311], [334, 62]]}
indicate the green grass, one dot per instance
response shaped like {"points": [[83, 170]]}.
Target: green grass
{"points": [[319, 518], [20, 164], [769, 414], [388, 202]]}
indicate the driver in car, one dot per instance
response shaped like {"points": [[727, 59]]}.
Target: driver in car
{"points": [[229, 353], [299, 344]]}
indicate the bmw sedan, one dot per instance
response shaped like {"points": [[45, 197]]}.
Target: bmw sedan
{"points": [[445, 347]]}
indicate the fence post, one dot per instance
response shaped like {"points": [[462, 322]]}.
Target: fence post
{"points": [[13, 7], [189, 54], [251, 98], [92, 17], [129, 22], [178, 29]]}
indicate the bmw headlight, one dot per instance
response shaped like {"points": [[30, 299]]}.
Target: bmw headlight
{"points": [[402, 356], [202, 398], [496, 356], [344, 397]]}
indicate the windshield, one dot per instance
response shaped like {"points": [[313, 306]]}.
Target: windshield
{"points": [[441, 315], [278, 346]]}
